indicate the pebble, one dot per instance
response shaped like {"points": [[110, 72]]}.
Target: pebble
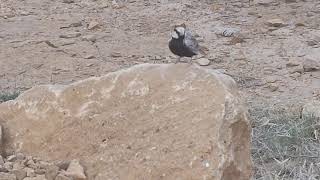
{"points": [[90, 56], [68, 1], [8, 165], [116, 54], [20, 174], [39, 177], [39, 171], [276, 23], [293, 63], [64, 164], [91, 38], [203, 61], [62, 177], [12, 158], [75, 24], [67, 42], [76, 171], [296, 69], [30, 172], [264, 3], [20, 156], [3, 169], [272, 79], [93, 25], [50, 44], [70, 35], [290, 1], [273, 87], [310, 65], [51, 172]]}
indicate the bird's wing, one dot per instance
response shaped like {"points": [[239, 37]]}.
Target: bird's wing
{"points": [[191, 43]]}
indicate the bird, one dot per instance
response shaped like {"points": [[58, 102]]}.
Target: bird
{"points": [[182, 43]]}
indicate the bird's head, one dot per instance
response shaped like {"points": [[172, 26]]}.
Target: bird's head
{"points": [[179, 31]]}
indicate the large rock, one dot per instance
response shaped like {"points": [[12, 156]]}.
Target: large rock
{"points": [[146, 122]]}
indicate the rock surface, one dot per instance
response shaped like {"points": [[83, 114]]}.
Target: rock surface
{"points": [[148, 121]]}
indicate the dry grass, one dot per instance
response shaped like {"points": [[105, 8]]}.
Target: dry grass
{"points": [[285, 146]]}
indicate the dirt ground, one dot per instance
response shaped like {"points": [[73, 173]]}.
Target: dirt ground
{"points": [[62, 41]]}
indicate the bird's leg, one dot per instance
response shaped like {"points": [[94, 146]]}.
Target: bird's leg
{"points": [[178, 60]]}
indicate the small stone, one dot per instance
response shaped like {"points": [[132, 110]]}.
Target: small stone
{"points": [[39, 171], [3, 169], [312, 43], [63, 165], [68, 1], [293, 63], [298, 69], [273, 87], [7, 176], [8, 165], [91, 38], [89, 56], [17, 165], [76, 171], [290, 1], [43, 164], [30, 172], [70, 35], [157, 57], [271, 79], [30, 163], [62, 177], [51, 172], [50, 44], [295, 75], [20, 174], [11, 158], [310, 65], [276, 23], [24, 13], [265, 3], [300, 24], [67, 42], [203, 61], [75, 24], [93, 25], [20, 156], [116, 54], [38, 177]]}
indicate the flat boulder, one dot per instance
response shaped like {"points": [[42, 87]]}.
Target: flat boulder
{"points": [[169, 121]]}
